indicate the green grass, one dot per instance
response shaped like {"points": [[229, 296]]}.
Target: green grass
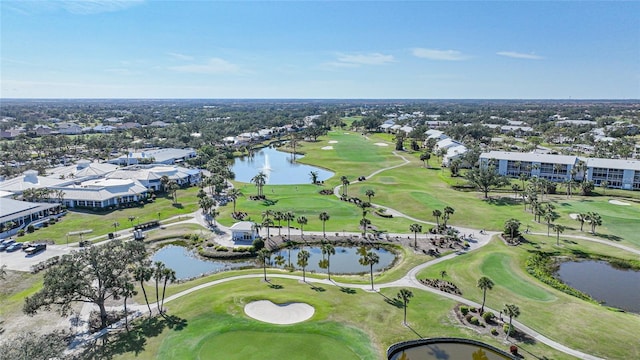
{"points": [[102, 222], [346, 322], [578, 324]]}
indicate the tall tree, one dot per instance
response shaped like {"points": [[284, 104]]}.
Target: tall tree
{"points": [[314, 177], [324, 217], [368, 258], [559, 229], [325, 263], [264, 256], [279, 216], [448, 211], [424, 157], [93, 275], [415, 229], [345, 185], [370, 193], [594, 220], [267, 223], [289, 216], [485, 284], [260, 180], [512, 311], [302, 221], [364, 224], [484, 178], [436, 214], [512, 227], [404, 295], [303, 261], [234, 194], [142, 272], [582, 217]]}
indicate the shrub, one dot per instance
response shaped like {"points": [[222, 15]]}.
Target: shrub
{"points": [[474, 321], [505, 328], [258, 244], [468, 317], [464, 310], [20, 232], [30, 229], [494, 332], [488, 316]]}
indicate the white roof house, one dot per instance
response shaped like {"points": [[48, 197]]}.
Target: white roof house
{"points": [[82, 170], [454, 152], [159, 156], [29, 180], [406, 129], [244, 231], [151, 175], [103, 193], [620, 164], [447, 143]]}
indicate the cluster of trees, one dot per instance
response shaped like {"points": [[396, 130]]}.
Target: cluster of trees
{"points": [[99, 274]]}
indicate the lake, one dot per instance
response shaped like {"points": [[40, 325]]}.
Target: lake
{"points": [[278, 166], [345, 261], [616, 288], [188, 265]]}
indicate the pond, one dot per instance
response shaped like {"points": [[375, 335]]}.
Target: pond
{"points": [[188, 265], [278, 166], [617, 288], [345, 261]]}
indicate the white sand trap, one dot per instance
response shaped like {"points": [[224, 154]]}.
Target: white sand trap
{"points": [[327, 148], [346, 133], [381, 144], [616, 202], [284, 314], [333, 141], [573, 216]]}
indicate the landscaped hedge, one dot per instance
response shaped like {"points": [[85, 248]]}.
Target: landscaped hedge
{"points": [[540, 265]]}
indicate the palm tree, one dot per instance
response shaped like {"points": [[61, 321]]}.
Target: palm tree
{"points": [[559, 229], [158, 273], [425, 157], [582, 217], [512, 226], [279, 260], [443, 274], [327, 249], [169, 275], [279, 216], [324, 217], [485, 284], [595, 220], [364, 223], [604, 185], [516, 189], [314, 177], [115, 226], [370, 193], [173, 187], [550, 215], [260, 179], [437, 213], [264, 256], [448, 211], [302, 221], [267, 223], [415, 229], [512, 311], [345, 185], [368, 258], [289, 216], [303, 261], [142, 273], [164, 180], [234, 194], [404, 295]]}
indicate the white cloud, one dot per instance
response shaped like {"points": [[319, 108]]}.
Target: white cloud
{"points": [[180, 56], [434, 54], [517, 55], [364, 59], [213, 66]]}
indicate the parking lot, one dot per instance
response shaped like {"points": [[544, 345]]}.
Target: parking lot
{"points": [[20, 261]]}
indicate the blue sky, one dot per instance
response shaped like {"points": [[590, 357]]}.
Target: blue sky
{"points": [[328, 49]]}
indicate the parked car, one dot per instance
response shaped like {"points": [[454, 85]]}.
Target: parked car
{"points": [[5, 244], [34, 248], [14, 247]]}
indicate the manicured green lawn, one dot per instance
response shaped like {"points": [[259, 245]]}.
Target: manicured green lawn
{"points": [[102, 222], [345, 322], [578, 324]]}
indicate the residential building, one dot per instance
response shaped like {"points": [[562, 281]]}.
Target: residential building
{"points": [[166, 156], [244, 231]]}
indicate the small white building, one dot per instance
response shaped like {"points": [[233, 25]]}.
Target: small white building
{"points": [[244, 231]]}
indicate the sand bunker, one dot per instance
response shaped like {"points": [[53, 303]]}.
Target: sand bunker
{"points": [[333, 141], [283, 314], [573, 216], [616, 202], [327, 148], [381, 144]]}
